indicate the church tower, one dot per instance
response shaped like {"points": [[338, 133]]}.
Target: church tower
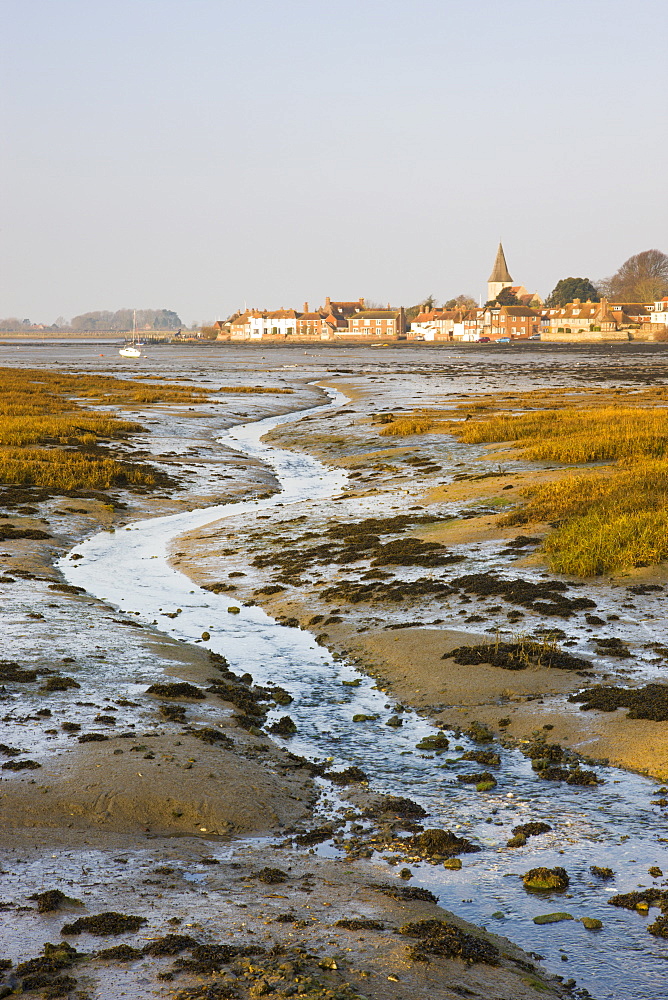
{"points": [[500, 276]]}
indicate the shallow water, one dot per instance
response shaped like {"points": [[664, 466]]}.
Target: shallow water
{"points": [[614, 825]]}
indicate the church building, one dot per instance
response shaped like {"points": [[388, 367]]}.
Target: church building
{"points": [[500, 276]]}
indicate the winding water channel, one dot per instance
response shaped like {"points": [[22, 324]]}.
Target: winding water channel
{"points": [[613, 825]]}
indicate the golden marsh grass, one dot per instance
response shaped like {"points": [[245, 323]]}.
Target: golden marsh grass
{"points": [[44, 408], [56, 469], [607, 520], [574, 435]]}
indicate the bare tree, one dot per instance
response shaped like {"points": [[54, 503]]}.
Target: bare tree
{"points": [[641, 278], [461, 302]]}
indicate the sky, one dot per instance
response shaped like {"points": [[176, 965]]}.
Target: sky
{"points": [[204, 155]]}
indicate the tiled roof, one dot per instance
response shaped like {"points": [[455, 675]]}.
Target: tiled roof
{"points": [[518, 311], [377, 314]]}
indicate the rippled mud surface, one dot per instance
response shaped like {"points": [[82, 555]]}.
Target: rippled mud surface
{"points": [[614, 824]]}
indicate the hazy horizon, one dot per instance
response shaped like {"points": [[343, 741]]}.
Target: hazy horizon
{"points": [[205, 155]]}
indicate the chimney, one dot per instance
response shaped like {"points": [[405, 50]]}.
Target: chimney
{"points": [[327, 302], [306, 307]]}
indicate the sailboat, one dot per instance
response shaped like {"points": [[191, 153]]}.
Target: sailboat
{"points": [[132, 350]]}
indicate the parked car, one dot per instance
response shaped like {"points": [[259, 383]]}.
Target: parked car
{"points": [[534, 336], [503, 340], [483, 340]]}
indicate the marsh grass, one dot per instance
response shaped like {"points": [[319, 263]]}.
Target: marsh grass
{"points": [[405, 426], [38, 408], [32, 390], [57, 469], [607, 520], [253, 388], [575, 435], [62, 428]]}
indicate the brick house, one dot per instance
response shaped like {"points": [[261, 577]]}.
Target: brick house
{"points": [[497, 322], [389, 323]]}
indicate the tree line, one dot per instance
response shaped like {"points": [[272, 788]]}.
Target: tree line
{"points": [[101, 321], [121, 320]]}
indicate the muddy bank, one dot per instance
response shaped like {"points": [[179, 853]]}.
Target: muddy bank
{"points": [[411, 664], [256, 920]]}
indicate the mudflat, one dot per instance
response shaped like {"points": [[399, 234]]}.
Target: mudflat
{"points": [[151, 838]]}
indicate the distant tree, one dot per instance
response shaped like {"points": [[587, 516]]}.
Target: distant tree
{"points": [[507, 297], [641, 278], [12, 323], [572, 288], [425, 306], [121, 320], [461, 302]]}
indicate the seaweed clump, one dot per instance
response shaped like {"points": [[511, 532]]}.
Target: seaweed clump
{"points": [[58, 684], [359, 924], [119, 953], [438, 937], [645, 898], [350, 776], [519, 655], [20, 765], [52, 899], [208, 958], [176, 690], [548, 760], [547, 598], [105, 924], [406, 892], [10, 671], [442, 844], [531, 829], [272, 876], [648, 702], [546, 879], [170, 944], [44, 972], [398, 805]]}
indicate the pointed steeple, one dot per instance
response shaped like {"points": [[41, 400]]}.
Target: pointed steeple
{"points": [[500, 276], [500, 270]]}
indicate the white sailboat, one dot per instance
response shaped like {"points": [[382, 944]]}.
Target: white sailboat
{"points": [[132, 350]]}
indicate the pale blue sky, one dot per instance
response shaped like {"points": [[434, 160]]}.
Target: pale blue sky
{"points": [[199, 154]]}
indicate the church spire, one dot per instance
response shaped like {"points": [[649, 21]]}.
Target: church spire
{"points": [[500, 276], [500, 270]]}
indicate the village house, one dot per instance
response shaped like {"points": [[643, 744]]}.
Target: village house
{"points": [[438, 324], [387, 323], [659, 313], [343, 309], [501, 322], [322, 324], [596, 321]]}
